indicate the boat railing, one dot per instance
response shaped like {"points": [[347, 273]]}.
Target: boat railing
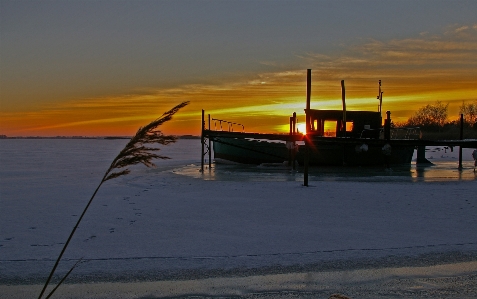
{"points": [[370, 133], [230, 125], [403, 133]]}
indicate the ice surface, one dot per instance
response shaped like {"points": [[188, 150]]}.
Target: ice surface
{"points": [[173, 221]]}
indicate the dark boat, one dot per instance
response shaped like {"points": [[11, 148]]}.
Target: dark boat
{"points": [[249, 151], [359, 139], [333, 137], [363, 144]]}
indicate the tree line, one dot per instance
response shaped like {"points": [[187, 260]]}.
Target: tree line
{"points": [[434, 119]]}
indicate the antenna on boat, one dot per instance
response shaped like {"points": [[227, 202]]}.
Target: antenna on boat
{"points": [[380, 98]]}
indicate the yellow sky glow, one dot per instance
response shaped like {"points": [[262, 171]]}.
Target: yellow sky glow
{"points": [[414, 72]]}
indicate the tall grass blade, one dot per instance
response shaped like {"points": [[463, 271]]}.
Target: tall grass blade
{"points": [[64, 278], [135, 152]]}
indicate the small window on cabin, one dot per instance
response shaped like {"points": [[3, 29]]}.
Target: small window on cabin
{"points": [[349, 126], [330, 128]]}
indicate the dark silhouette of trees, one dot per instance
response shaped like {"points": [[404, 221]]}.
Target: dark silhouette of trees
{"points": [[470, 113], [434, 124], [432, 116]]}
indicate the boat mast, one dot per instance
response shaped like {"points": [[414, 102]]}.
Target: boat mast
{"points": [[308, 96]]}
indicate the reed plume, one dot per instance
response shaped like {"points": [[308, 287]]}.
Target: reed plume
{"points": [[135, 152]]}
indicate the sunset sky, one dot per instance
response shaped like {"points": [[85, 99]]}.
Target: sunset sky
{"points": [[97, 68]]}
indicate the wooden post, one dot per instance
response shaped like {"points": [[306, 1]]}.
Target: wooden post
{"points": [[421, 156], [461, 138], [308, 129], [290, 149], [343, 99], [308, 97], [202, 142], [210, 148], [387, 126], [294, 132], [387, 136], [343, 123], [306, 162], [294, 122]]}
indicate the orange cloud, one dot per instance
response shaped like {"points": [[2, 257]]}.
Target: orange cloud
{"points": [[415, 71]]}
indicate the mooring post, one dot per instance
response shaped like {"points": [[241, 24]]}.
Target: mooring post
{"points": [[343, 128], [387, 136], [210, 148], [461, 138], [308, 129], [421, 156], [294, 143], [387, 126], [290, 143], [202, 142], [343, 99], [294, 123]]}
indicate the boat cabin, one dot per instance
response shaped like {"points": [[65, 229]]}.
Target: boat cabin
{"points": [[358, 124]]}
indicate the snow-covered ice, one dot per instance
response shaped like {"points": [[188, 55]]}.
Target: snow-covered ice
{"points": [[173, 222]]}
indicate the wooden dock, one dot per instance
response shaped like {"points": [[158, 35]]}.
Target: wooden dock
{"points": [[343, 137], [208, 135]]}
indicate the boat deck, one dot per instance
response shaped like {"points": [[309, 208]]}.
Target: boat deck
{"points": [[466, 143]]}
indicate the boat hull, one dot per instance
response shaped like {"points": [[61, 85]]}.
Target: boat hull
{"points": [[328, 154], [249, 151], [352, 155]]}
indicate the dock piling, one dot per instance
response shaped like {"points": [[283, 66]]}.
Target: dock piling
{"points": [[343, 124], [202, 142], [343, 100], [308, 128], [387, 126], [290, 148], [291, 145], [294, 143], [210, 148], [387, 136], [461, 138], [421, 156]]}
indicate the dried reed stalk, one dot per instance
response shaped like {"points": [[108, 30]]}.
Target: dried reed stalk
{"points": [[135, 152]]}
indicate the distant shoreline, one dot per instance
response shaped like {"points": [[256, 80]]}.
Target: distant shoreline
{"points": [[86, 137]]}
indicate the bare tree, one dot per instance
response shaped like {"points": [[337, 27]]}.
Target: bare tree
{"points": [[431, 115], [470, 112]]}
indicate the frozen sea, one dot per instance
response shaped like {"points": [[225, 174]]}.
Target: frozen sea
{"points": [[233, 230]]}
